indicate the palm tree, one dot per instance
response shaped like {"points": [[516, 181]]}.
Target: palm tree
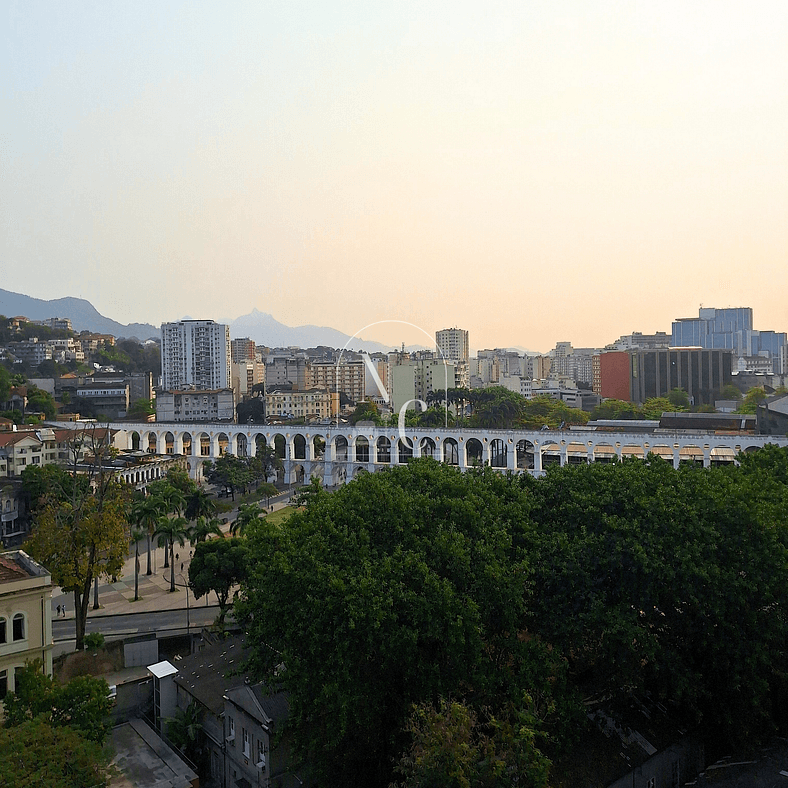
{"points": [[184, 728], [203, 528], [199, 504], [145, 513], [170, 531], [136, 537], [173, 500], [247, 514]]}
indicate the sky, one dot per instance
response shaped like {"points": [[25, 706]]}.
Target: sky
{"points": [[529, 171]]}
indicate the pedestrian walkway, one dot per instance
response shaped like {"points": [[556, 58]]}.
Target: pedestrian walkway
{"points": [[154, 589]]}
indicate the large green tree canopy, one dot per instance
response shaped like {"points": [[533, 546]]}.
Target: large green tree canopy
{"points": [[401, 587], [422, 585]]}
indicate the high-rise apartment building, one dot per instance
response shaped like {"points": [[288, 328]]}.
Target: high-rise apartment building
{"points": [[412, 379], [242, 350], [195, 354], [453, 344], [348, 377]]}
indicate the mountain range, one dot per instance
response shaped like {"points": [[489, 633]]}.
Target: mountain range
{"points": [[263, 328], [83, 315]]}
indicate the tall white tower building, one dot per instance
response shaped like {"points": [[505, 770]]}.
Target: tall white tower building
{"points": [[195, 354], [453, 344]]}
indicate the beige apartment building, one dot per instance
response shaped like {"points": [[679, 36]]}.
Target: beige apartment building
{"points": [[349, 377], [18, 449], [246, 375], [311, 405], [25, 616]]}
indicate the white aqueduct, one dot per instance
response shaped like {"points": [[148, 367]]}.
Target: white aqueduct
{"points": [[336, 454]]}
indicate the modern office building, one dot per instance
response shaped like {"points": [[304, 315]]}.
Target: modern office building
{"points": [[731, 329], [638, 375], [195, 354]]}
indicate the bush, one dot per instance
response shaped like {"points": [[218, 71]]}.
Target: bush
{"points": [[94, 640]]}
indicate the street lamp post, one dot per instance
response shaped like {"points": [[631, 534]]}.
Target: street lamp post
{"points": [[186, 586]]}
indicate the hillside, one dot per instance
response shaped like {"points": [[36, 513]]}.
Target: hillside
{"points": [[84, 316]]}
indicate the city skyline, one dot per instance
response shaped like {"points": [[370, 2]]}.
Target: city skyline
{"points": [[531, 173]]}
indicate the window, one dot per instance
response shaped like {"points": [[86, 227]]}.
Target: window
{"points": [[3, 636], [3, 683], [231, 730], [246, 750], [19, 626], [260, 754]]}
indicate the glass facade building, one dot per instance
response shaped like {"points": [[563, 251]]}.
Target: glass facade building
{"points": [[730, 329]]}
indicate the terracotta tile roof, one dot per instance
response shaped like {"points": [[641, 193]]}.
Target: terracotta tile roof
{"points": [[10, 438], [10, 570]]}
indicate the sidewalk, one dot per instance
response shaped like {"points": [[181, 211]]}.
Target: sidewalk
{"points": [[154, 589]]}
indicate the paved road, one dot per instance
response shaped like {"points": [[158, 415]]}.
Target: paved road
{"points": [[135, 623]]}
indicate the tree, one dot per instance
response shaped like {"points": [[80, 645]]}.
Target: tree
{"points": [[247, 514], [43, 484], [203, 528], [265, 463], [667, 581], [218, 565], [83, 703], [453, 748], [751, 399], [729, 391], [616, 409], [654, 407], [679, 399], [497, 407], [230, 472], [40, 400], [168, 532], [83, 533], [145, 514], [423, 591], [5, 384], [170, 499], [199, 504], [365, 411], [142, 409], [38, 753], [267, 489], [136, 537], [184, 729]]}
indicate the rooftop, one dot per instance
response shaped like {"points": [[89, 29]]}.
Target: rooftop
{"points": [[145, 761], [209, 674], [18, 565]]}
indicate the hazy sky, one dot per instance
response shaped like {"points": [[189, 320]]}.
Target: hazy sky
{"points": [[530, 171]]}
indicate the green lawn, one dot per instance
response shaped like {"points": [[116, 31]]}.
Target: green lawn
{"points": [[280, 515]]}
